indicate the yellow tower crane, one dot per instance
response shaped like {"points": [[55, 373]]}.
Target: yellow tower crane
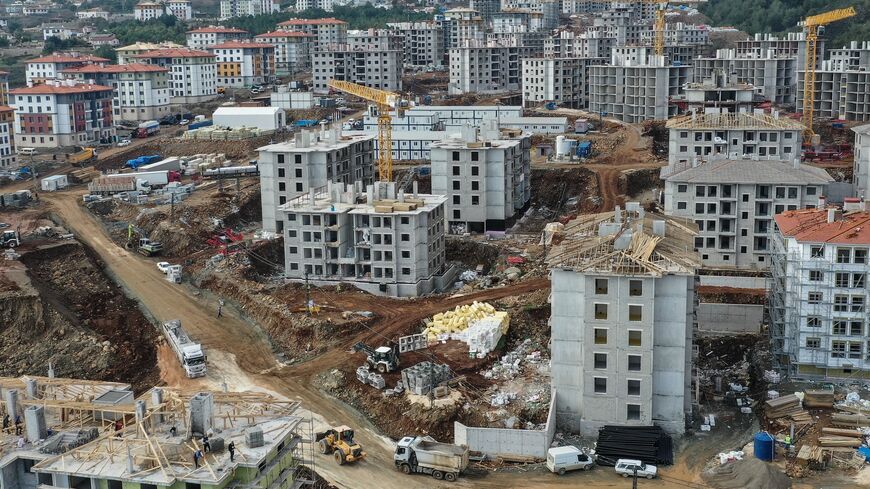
{"points": [[660, 24], [385, 102], [812, 25]]}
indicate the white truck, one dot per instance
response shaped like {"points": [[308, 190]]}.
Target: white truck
{"points": [[424, 455], [190, 354]]}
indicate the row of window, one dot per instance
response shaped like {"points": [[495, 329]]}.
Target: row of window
{"points": [[843, 255]]}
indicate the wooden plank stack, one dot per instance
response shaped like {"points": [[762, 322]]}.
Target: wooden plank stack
{"points": [[819, 398], [853, 420], [783, 406]]}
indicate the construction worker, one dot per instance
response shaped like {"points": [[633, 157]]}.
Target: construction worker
{"points": [[197, 456], [206, 445], [173, 430], [232, 448], [220, 307], [17, 425], [5, 422]]}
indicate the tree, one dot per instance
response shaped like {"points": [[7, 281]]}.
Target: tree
{"points": [[107, 52]]}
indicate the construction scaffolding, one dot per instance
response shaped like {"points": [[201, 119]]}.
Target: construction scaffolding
{"points": [[731, 120]]}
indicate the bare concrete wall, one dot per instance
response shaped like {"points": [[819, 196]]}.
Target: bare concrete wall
{"points": [[508, 442], [730, 318], [732, 281]]}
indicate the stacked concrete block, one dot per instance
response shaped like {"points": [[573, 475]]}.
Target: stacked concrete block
{"points": [[254, 437], [425, 376]]}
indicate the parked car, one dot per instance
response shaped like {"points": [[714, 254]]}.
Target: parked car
{"points": [[183, 122], [626, 468], [163, 266], [564, 459], [123, 142], [4, 225]]}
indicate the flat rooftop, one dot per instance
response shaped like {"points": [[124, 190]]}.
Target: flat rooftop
{"points": [[317, 142], [323, 203]]}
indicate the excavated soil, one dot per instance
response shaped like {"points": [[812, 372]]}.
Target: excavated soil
{"points": [[74, 317], [471, 253]]}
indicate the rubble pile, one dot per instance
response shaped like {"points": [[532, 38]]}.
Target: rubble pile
{"points": [[510, 365]]}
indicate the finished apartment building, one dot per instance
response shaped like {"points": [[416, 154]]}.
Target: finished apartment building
{"points": [[461, 25], [141, 90], [149, 10], [371, 58], [636, 86], [381, 240], [564, 81], [192, 73], [819, 292], [63, 113], [292, 50], [861, 166], [206, 37], [242, 8], [698, 137], [310, 161], [480, 67], [49, 67], [733, 201], [244, 63], [487, 179], [8, 157], [326, 32], [842, 84], [623, 313], [423, 43]]}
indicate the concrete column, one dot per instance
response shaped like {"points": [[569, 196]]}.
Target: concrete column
{"points": [[140, 411], [156, 400], [50, 371], [31, 388], [201, 412], [12, 403], [34, 421]]}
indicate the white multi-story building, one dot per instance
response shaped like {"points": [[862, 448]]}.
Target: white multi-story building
{"points": [[192, 73], [568, 44], [622, 321], [564, 81], [49, 67], [326, 32], [679, 33], [308, 162], [93, 13], [487, 179], [636, 87], [733, 203], [292, 50], [819, 292], [861, 168], [7, 137], [372, 58], [242, 8], [63, 113], [381, 240], [141, 90], [244, 64], [773, 75], [181, 9], [423, 43], [206, 37], [325, 5], [842, 84], [4, 88], [462, 25], [148, 10], [732, 135], [479, 67], [59, 31]]}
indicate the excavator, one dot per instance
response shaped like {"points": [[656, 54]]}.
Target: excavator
{"points": [[383, 359], [143, 245], [339, 442]]}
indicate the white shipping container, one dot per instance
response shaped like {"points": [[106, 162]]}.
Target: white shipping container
{"points": [[263, 118], [292, 100], [55, 182]]}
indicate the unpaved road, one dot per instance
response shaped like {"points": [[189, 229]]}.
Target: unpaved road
{"points": [[240, 355]]}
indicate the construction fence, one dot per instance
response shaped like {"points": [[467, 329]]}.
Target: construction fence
{"points": [[505, 442]]}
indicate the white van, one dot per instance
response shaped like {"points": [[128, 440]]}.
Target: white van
{"points": [[27, 151], [625, 467], [564, 459]]}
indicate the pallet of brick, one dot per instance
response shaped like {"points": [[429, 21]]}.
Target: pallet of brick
{"points": [[782, 407], [819, 398]]}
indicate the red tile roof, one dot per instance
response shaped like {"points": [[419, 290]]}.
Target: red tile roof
{"points": [[217, 30], [329, 20], [128, 68], [58, 90], [811, 225], [284, 34], [174, 53], [65, 58], [6, 108], [240, 45]]}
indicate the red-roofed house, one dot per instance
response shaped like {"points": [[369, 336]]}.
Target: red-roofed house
{"points": [[326, 31], [192, 73], [206, 37], [49, 67], [62, 113], [141, 90], [243, 64], [292, 50], [820, 260]]}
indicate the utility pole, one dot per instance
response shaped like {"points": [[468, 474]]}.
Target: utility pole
{"points": [[307, 295]]}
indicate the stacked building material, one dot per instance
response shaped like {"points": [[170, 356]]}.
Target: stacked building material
{"points": [[783, 406], [649, 444], [425, 376], [819, 398], [853, 420], [478, 325]]}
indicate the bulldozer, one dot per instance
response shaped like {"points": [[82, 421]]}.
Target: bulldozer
{"points": [[383, 359], [339, 442]]}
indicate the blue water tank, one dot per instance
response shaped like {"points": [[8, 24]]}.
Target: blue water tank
{"points": [[764, 446]]}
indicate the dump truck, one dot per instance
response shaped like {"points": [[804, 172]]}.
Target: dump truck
{"points": [[339, 442], [147, 129], [425, 455], [189, 354], [77, 159]]}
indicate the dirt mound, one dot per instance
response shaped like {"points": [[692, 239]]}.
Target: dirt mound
{"points": [[77, 319], [749, 473], [471, 253], [642, 179], [554, 188]]}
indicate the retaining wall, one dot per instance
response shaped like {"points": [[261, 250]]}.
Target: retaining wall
{"points": [[730, 318]]}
